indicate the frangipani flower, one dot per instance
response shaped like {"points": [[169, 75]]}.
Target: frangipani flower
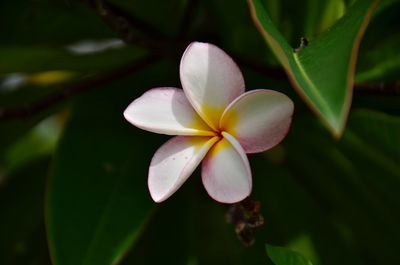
{"points": [[216, 122]]}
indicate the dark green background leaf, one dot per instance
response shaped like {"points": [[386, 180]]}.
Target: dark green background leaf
{"points": [[22, 237], [319, 196], [283, 256], [97, 198]]}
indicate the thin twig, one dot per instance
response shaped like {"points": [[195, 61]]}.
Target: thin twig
{"points": [[131, 29], [381, 88], [67, 92], [134, 31], [270, 72]]}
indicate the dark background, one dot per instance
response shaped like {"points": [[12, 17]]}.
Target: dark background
{"points": [[73, 171]]}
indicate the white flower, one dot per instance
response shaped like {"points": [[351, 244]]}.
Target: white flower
{"points": [[216, 122]]}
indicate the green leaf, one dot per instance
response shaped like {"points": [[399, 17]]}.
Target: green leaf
{"points": [[236, 26], [294, 217], [369, 125], [188, 229], [39, 142], [284, 256], [21, 207], [44, 22], [37, 59], [355, 181], [385, 4], [322, 72], [98, 199], [170, 222], [379, 59], [321, 15]]}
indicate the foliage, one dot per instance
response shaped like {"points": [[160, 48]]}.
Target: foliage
{"points": [[73, 172], [285, 256], [323, 69]]}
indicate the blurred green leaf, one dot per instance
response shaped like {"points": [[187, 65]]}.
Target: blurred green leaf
{"points": [[165, 240], [284, 256], [379, 58], [378, 131], [385, 4], [355, 180], [385, 67], [207, 234], [44, 22], [234, 26], [38, 59], [39, 142], [11, 131], [98, 199], [322, 72], [374, 139], [336, 202], [22, 239], [294, 217], [189, 228], [321, 15]]}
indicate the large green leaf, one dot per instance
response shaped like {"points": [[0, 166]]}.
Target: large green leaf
{"points": [[374, 139], [22, 239], [322, 72], [97, 195], [293, 216], [355, 181], [284, 256], [189, 228], [166, 237]]}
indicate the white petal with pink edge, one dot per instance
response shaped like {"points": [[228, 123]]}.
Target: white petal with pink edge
{"points": [[211, 80], [226, 171], [174, 162], [166, 110], [258, 119]]}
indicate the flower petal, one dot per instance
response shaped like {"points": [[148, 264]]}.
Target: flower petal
{"points": [[166, 110], [211, 80], [174, 162], [226, 171], [258, 119]]}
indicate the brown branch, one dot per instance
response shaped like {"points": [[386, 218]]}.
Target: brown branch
{"points": [[131, 29], [66, 92], [381, 88], [126, 25], [270, 72], [134, 31]]}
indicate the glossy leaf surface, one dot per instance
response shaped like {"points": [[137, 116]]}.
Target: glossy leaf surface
{"points": [[323, 71]]}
